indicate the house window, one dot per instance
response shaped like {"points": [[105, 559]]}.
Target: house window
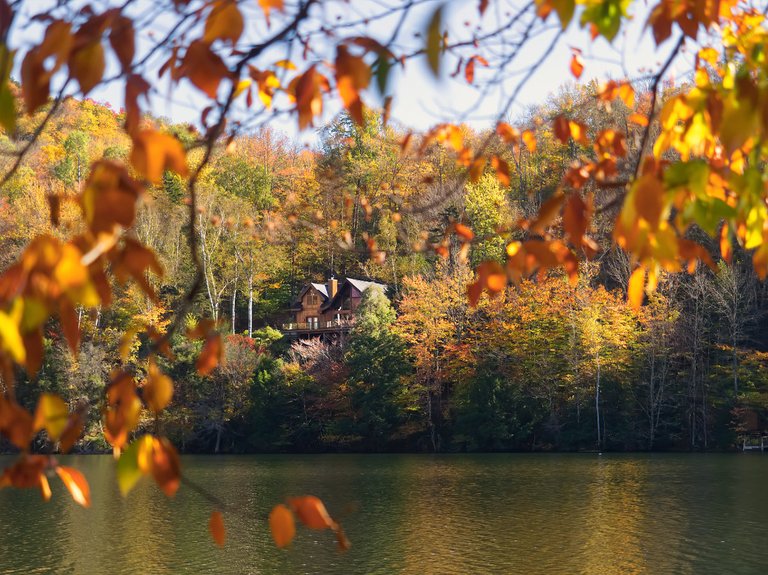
{"points": [[312, 298], [313, 323]]}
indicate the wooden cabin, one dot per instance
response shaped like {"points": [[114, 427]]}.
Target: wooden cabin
{"points": [[327, 308]]}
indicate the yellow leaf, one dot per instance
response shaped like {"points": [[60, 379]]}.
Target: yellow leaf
{"points": [[216, 527], [636, 288], [10, 339], [77, 485], [135, 461], [225, 22], [282, 525], [87, 64], [158, 390], [52, 415]]}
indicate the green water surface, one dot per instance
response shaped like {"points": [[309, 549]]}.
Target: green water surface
{"points": [[416, 514]]}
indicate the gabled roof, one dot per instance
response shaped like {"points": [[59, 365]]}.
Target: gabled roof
{"points": [[359, 285], [362, 285], [322, 288]]}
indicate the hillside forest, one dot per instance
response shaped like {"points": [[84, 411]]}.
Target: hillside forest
{"points": [[546, 365]]}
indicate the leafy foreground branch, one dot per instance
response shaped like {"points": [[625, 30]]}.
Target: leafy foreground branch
{"points": [[699, 166]]}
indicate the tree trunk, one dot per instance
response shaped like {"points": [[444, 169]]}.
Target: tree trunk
{"points": [[250, 306], [234, 303], [597, 400]]}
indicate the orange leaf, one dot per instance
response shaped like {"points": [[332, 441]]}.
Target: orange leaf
{"points": [[35, 81], [166, 467], [16, 423], [123, 41], [464, 232], [306, 90], [268, 5], [352, 76], [28, 472], [561, 129], [76, 484], [311, 512], [68, 318], [282, 525], [507, 133], [135, 261], [211, 355], [123, 409], [109, 197], [203, 68], [135, 86], [225, 22], [154, 152], [726, 249], [72, 432], [636, 288], [577, 65], [638, 119], [216, 528], [33, 344], [502, 170], [548, 212], [649, 199], [529, 138], [576, 216], [476, 168]]}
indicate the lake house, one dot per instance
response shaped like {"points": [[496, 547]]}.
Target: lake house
{"points": [[327, 308]]}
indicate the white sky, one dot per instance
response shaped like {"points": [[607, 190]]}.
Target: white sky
{"points": [[421, 101]]}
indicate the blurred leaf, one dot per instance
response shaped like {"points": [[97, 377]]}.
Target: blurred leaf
{"points": [[434, 39], [76, 484], [51, 414], [282, 525], [216, 528]]}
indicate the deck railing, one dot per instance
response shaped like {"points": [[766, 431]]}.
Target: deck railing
{"points": [[319, 325]]}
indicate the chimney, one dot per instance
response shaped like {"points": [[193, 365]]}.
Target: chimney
{"points": [[333, 286]]}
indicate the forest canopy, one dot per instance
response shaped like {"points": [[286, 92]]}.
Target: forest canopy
{"points": [[127, 234]]}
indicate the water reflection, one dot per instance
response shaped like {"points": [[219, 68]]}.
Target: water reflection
{"points": [[549, 514]]}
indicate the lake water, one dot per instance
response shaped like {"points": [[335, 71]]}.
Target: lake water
{"points": [[419, 514]]}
